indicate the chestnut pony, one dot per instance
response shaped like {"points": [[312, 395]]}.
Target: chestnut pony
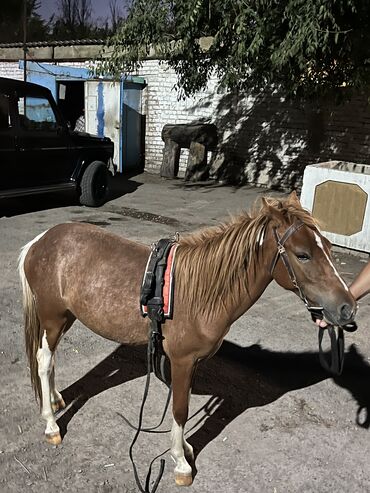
{"points": [[79, 271]]}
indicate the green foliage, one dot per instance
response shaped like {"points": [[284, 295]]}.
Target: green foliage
{"points": [[11, 21], [305, 47]]}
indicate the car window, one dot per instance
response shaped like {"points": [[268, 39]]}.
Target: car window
{"points": [[4, 113], [36, 114]]}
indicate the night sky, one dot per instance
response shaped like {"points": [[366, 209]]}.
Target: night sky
{"points": [[100, 8]]}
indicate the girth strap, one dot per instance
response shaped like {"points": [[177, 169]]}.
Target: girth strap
{"points": [[152, 286], [152, 298]]}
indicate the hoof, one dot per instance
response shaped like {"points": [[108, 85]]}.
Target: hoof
{"points": [[53, 438], [57, 406], [183, 479]]}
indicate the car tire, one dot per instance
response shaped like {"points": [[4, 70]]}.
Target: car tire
{"points": [[94, 184]]}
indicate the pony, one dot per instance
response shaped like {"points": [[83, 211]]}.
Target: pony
{"points": [[79, 271]]}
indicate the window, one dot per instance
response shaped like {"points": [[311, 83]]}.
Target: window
{"points": [[4, 113], [36, 114]]}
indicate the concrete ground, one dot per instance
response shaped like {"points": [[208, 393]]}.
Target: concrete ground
{"points": [[264, 416]]}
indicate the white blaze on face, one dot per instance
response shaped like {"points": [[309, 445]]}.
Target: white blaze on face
{"points": [[320, 245]]}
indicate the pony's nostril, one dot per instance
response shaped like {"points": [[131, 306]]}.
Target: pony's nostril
{"points": [[346, 312]]}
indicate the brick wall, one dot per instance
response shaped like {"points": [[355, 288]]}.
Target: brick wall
{"points": [[265, 139], [11, 70], [161, 105]]}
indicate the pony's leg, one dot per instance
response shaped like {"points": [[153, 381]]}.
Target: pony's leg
{"points": [[51, 400], [182, 375], [45, 361], [57, 401]]}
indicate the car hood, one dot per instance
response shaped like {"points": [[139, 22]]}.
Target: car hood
{"points": [[88, 138]]}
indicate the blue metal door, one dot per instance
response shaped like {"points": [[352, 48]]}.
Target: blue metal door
{"points": [[132, 123]]}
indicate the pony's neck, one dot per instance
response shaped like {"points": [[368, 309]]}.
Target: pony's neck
{"points": [[258, 278], [222, 271]]}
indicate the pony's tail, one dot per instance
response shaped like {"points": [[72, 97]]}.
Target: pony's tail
{"points": [[32, 329]]}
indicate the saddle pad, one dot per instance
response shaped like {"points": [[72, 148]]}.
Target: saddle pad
{"points": [[168, 286]]}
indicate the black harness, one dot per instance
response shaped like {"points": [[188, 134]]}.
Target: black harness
{"points": [[337, 342], [151, 297]]}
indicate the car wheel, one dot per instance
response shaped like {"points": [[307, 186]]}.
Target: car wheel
{"points": [[94, 185]]}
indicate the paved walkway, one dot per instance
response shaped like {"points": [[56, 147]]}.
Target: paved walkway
{"points": [[265, 417]]}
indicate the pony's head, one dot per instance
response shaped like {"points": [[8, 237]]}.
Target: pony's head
{"points": [[302, 260]]}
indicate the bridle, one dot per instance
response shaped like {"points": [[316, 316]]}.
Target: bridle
{"points": [[337, 343], [281, 253]]}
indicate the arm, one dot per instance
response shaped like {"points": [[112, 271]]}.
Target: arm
{"points": [[361, 285]]}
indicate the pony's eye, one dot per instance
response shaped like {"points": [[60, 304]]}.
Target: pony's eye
{"points": [[303, 257]]}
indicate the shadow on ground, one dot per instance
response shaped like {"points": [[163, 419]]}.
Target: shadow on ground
{"points": [[236, 378], [119, 185]]}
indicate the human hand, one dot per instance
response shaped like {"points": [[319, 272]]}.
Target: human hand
{"points": [[321, 323]]}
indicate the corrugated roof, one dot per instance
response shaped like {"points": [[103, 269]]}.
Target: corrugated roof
{"points": [[36, 44]]}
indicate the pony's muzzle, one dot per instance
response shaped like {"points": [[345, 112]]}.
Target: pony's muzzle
{"points": [[342, 315], [346, 313]]}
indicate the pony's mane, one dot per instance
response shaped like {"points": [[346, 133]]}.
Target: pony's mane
{"points": [[212, 264]]}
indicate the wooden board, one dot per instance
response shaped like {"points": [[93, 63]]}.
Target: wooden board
{"points": [[340, 207]]}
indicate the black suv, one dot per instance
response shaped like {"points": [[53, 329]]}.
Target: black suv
{"points": [[38, 151]]}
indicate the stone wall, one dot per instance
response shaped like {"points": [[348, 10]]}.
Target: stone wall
{"points": [[265, 139]]}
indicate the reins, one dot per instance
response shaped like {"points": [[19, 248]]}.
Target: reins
{"points": [[335, 366], [152, 299], [146, 488]]}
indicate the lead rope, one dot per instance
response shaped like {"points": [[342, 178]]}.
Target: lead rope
{"points": [[337, 350], [146, 489]]}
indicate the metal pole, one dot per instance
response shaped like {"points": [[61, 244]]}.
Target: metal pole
{"points": [[25, 40]]}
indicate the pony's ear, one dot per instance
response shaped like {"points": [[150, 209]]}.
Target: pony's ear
{"points": [[265, 204], [293, 199], [274, 213]]}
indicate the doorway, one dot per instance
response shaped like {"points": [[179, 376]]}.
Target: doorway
{"points": [[71, 100]]}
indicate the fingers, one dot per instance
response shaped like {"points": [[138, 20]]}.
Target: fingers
{"points": [[321, 323]]}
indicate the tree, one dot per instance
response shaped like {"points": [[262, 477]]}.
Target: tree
{"points": [[304, 47], [74, 21], [116, 15], [11, 22]]}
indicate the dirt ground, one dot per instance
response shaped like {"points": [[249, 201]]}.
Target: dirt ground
{"points": [[264, 416]]}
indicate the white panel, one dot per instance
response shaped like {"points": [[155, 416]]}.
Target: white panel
{"points": [[358, 174], [112, 112], [91, 106]]}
